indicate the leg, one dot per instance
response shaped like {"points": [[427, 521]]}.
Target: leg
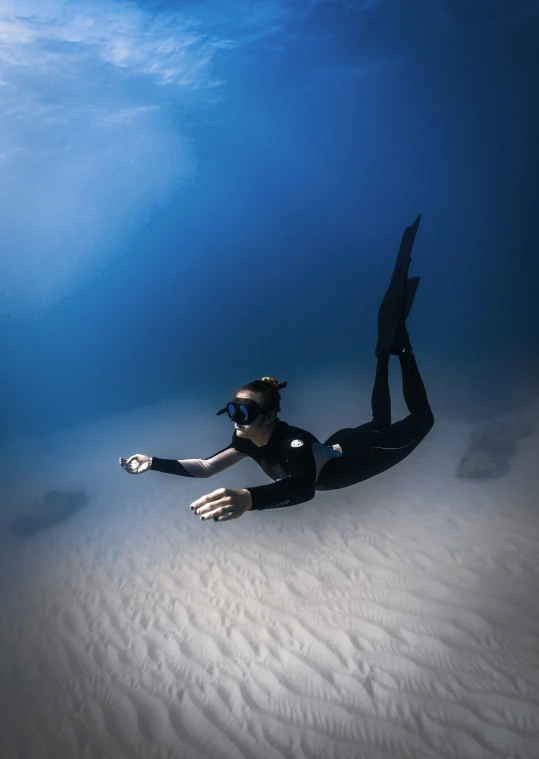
{"points": [[378, 445], [413, 388], [408, 432], [366, 454], [380, 404]]}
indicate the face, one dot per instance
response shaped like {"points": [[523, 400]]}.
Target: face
{"points": [[249, 431]]}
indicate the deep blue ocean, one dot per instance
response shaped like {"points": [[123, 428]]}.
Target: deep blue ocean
{"points": [[195, 195]]}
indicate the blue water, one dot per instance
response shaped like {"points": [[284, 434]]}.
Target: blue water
{"points": [[194, 195], [175, 224]]}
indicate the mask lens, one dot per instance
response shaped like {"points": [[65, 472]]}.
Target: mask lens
{"points": [[238, 413]]}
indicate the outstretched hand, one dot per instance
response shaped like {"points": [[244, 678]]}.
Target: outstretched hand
{"points": [[223, 504], [136, 464]]}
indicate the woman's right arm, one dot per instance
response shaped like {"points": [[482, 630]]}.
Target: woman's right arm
{"points": [[184, 467]]}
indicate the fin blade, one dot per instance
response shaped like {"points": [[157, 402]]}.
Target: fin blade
{"points": [[411, 289]]}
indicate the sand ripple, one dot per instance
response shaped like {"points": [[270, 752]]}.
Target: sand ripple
{"points": [[405, 629]]}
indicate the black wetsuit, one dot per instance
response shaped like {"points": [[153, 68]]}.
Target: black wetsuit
{"points": [[300, 464]]}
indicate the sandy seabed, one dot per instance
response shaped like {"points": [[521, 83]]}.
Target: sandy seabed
{"points": [[396, 618]]}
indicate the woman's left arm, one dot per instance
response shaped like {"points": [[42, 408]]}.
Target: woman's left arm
{"points": [[298, 487], [287, 492], [224, 504]]}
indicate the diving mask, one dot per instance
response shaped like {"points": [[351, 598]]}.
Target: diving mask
{"points": [[243, 410]]}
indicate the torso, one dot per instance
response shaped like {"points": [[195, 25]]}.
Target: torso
{"points": [[289, 449]]}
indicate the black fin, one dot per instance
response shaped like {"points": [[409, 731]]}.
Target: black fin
{"points": [[411, 289], [400, 293]]}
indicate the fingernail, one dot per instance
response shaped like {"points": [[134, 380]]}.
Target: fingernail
{"points": [[203, 518], [215, 519]]}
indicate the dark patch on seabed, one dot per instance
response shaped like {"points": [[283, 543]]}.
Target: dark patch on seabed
{"points": [[490, 447], [53, 508]]}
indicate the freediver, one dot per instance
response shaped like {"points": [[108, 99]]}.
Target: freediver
{"points": [[298, 462]]}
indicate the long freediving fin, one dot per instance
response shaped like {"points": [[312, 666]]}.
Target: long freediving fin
{"points": [[400, 293], [411, 289]]}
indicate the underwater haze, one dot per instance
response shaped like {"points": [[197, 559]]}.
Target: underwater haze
{"points": [[194, 195], [197, 195]]}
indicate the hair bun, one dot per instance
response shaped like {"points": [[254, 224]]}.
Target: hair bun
{"points": [[273, 382]]}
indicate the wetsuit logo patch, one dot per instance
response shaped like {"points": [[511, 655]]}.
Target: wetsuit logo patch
{"points": [[296, 443]]}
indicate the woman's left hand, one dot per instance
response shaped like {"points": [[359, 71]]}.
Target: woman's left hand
{"points": [[223, 504]]}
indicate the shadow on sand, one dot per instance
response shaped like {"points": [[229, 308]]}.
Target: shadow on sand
{"points": [[53, 508]]}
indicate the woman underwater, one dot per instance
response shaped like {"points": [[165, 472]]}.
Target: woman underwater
{"points": [[298, 462]]}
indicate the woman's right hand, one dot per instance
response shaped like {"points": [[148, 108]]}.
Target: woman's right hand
{"points": [[136, 464]]}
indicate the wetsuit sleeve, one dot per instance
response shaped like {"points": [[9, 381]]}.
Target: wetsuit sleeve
{"points": [[199, 467], [298, 487]]}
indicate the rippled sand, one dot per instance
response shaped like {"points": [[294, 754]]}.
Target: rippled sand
{"points": [[397, 618]]}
